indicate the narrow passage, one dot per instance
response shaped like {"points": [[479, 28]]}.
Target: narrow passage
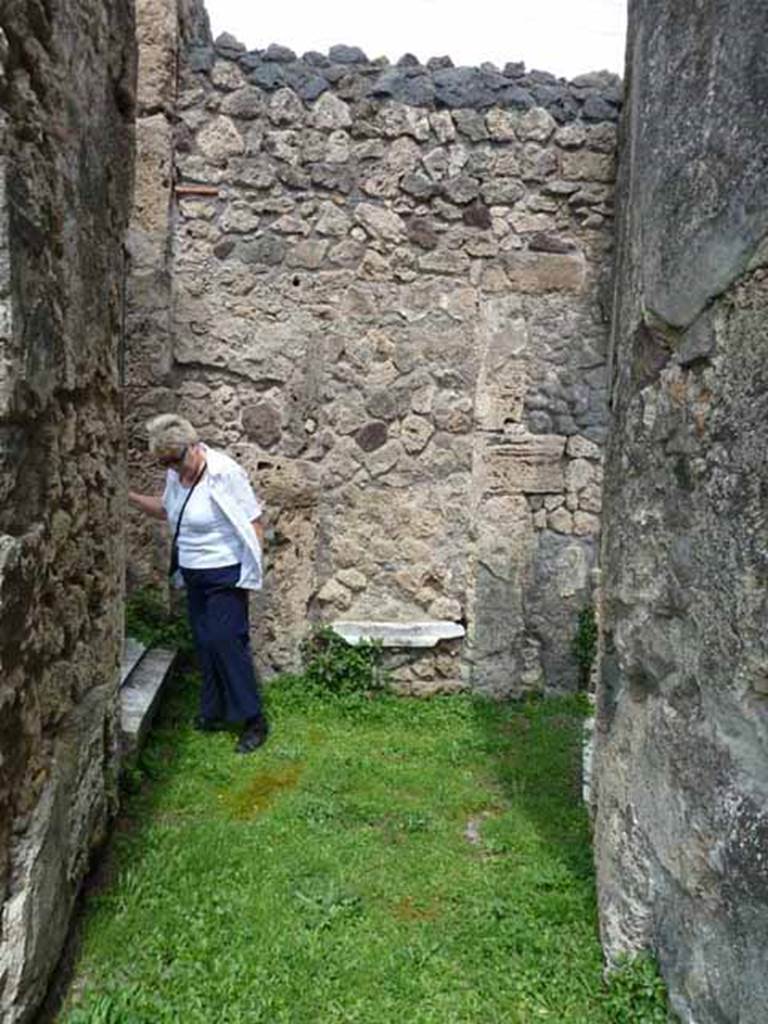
{"points": [[379, 861]]}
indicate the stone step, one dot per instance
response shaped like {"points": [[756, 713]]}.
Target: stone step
{"points": [[140, 694], [133, 650]]}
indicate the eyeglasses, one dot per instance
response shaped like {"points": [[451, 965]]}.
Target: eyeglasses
{"points": [[172, 460]]}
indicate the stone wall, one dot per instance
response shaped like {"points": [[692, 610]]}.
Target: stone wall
{"points": [[682, 774], [386, 299], [163, 29], [66, 105]]}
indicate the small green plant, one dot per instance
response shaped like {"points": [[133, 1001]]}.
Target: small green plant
{"points": [[636, 992], [149, 619], [332, 667], [585, 643]]}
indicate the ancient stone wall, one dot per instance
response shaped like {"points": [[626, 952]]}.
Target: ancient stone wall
{"points": [[682, 774], [386, 299], [66, 106]]}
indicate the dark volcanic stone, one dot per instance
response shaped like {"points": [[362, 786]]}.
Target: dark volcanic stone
{"points": [[200, 58], [279, 54], [315, 59], [223, 248], [228, 46], [388, 84], [394, 83], [421, 232], [542, 241], [493, 78], [434, 63], [249, 61], [341, 54], [545, 93], [515, 98], [262, 423], [408, 60], [597, 80], [462, 87], [564, 110], [372, 436], [514, 69], [268, 76], [305, 83], [596, 109], [614, 92], [420, 91], [418, 185], [541, 77], [477, 215], [183, 138], [335, 72]]}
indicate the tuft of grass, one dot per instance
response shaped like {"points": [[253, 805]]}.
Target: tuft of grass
{"points": [[334, 668], [585, 643], [150, 618], [636, 992], [334, 877]]}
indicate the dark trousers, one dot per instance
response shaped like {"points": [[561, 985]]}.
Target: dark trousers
{"points": [[218, 615]]}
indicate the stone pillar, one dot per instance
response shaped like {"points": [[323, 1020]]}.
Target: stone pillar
{"points": [[682, 731], [66, 163], [149, 288]]}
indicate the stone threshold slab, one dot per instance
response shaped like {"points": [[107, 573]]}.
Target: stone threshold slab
{"points": [[139, 696], [399, 634]]}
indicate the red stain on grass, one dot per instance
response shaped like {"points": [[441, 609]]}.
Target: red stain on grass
{"points": [[261, 791]]}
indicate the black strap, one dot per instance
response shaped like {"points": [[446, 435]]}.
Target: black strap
{"points": [[198, 478]]}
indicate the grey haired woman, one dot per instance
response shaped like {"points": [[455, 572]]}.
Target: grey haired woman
{"points": [[216, 518]]}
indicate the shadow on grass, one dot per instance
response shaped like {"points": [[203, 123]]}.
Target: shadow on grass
{"points": [[535, 748]]}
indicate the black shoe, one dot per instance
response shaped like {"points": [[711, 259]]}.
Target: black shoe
{"points": [[202, 724], [253, 736]]}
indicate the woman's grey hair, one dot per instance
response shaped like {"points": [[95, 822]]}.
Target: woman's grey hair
{"points": [[170, 432]]}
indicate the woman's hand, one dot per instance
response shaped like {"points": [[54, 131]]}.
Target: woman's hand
{"points": [[147, 504]]}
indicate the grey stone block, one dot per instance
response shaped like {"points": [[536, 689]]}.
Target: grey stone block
{"points": [[140, 694]]}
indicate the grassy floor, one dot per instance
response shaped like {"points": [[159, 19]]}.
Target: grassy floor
{"points": [[377, 862]]}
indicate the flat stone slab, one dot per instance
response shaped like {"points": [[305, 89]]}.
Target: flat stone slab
{"points": [[399, 634], [139, 695], [132, 654]]}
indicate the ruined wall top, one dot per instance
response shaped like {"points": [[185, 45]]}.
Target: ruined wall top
{"points": [[437, 84]]}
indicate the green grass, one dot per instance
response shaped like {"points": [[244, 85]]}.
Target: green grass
{"points": [[378, 861]]}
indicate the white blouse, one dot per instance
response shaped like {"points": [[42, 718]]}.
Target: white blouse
{"points": [[207, 539], [227, 507]]}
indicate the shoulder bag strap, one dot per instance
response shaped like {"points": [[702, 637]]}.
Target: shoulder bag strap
{"points": [[198, 478]]}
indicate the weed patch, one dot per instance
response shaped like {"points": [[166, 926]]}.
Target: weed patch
{"points": [[150, 618]]}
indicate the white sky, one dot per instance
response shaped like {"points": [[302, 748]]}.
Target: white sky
{"points": [[566, 37]]}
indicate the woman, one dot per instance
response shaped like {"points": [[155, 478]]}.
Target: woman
{"points": [[216, 519]]}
